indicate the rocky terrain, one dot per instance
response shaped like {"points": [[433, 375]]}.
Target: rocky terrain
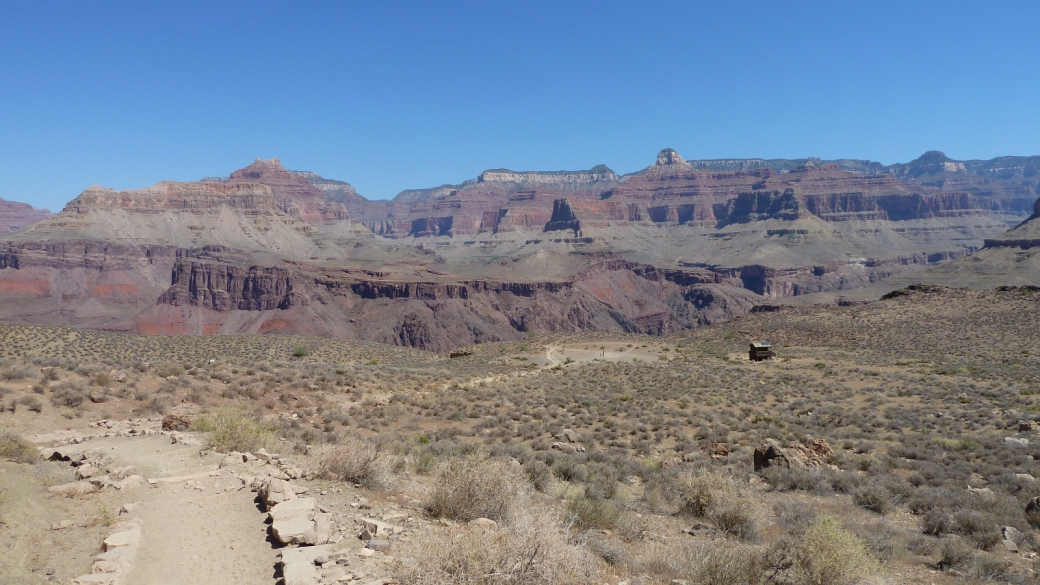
{"points": [[674, 246]]}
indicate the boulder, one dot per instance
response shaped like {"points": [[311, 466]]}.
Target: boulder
{"points": [[275, 491], [291, 530], [184, 438], [180, 417], [300, 574], [569, 447], [378, 527], [292, 508], [569, 435], [811, 453], [127, 538], [771, 454], [86, 471], [307, 555], [1016, 441], [73, 489], [718, 450], [484, 524], [320, 532], [379, 545]]}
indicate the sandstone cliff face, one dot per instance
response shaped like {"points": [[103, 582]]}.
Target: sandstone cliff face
{"points": [[15, 216]]}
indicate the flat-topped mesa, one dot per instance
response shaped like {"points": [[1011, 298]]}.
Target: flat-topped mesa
{"points": [[175, 196], [599, 177]]}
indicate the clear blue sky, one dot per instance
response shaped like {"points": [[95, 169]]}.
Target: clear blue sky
{"points": [[394, 95]]}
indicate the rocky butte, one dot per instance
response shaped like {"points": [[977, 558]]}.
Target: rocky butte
{"points": [[673, 246]]}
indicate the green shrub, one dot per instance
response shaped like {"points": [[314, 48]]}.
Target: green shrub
{"points": [[300, 351]]}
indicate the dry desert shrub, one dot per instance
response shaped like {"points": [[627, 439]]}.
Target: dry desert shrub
{"points": [[720, 562], [586, 512], [17, 372], [699, 493], [533, 550], [830, 555], [233, 430], [355, 460], [15, 448], [68, 394], [477, 486], [715, 497]]}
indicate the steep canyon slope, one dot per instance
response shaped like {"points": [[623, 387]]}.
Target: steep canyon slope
{"points": [[270, 250]]}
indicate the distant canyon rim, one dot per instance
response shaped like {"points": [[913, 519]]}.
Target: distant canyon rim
{"points": [[676, 245]]}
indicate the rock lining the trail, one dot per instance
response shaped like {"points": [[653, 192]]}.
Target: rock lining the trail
{"points": [[117, 558]]}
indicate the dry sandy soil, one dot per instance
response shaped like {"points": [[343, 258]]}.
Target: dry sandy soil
{"points": [[909, 401]]}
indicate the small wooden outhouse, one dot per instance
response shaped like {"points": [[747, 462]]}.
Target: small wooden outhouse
{"points": [[760, 350]]}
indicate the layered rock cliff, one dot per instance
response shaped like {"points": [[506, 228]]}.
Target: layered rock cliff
{"points": [[15, 216], [676, 245]]}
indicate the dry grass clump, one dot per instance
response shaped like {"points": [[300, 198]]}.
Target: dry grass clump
{"points": [[533, 550], [17, 449], [229, 430], [477, 486], [355, 460]]}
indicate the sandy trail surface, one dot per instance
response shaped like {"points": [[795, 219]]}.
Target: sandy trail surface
{"points": [[207, 536], [199, 524]]}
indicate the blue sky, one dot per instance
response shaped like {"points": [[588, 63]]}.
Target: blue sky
{"points": [[394, 95]]}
